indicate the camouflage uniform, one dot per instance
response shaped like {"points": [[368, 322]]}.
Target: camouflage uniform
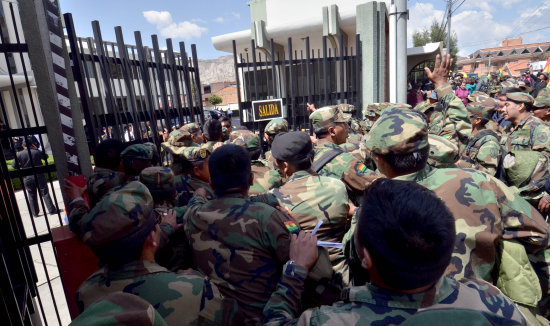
{"points": [[526, 173], [187, 184], [265, 178], [371, 305], [485, 210], [174, 251], [454, 122], [443, 153], [310, 198], [483, 149], [124, 219], [241, 246], [344, 166], [102, 181], [273, 128], [122, 309]]}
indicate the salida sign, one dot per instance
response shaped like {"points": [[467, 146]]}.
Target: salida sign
{"points": [[267, 109]]}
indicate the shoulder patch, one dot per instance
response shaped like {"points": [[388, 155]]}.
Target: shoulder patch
{"points": [[291, 226]]}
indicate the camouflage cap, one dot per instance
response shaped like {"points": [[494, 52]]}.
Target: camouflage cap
{"points": [[180, 138], [542, 102], [458, 317], [191, 128], [119, 308], [245, 138], [480, 109], [120, 216], [520, 97], [138, 151], [158, 179], [545, 92], [377, 108], [346, 108], [327, 115], [509, 83], [196, 154], [477, 96], [276, 126], [424, 106], [443, 153], [398, 131]]}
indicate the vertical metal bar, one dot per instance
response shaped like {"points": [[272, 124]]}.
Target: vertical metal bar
{"points": [[302, 86], [198, 81], [342, 70], [123, 111], [128, 80], [290, 101], [187, 80], [175, 83], [147, 94], [109, 100], [161, 80], [276, 91], [253, 49], [100, 98], [308, 81], [155, 91], [238, 81], [325, 71], [78, 76], [358, 58]]}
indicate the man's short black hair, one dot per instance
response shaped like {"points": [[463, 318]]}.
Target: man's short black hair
{"points": [[255, 153], [230, 169], [408, 163], [107, 154], [213, 130], [408, 231], [226, 119]]}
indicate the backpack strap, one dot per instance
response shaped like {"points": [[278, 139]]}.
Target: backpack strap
{"points": [[325, 158]]}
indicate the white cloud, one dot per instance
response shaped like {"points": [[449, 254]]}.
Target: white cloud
{"points": [[478, 29], [421, 16], [236, 15], [170, 29], [198, 20], [219, 20]]}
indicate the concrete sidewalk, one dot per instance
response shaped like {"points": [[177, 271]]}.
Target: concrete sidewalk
{"points": [[44, 259]]}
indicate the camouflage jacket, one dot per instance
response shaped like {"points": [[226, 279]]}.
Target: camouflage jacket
{"points": [[371, 305], [271, 162], [485, 211], [186, 186], [181, 299], [311, 198], [454, 122], [210, 145], [241, 246], [529, 134], [265, 178], [482, 154], [354, 173], [101, 182]]}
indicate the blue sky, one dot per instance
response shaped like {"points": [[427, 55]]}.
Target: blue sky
{"points": [[477, 23]]}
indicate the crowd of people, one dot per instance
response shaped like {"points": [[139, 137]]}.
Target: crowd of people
{"points": [[412, 216]]}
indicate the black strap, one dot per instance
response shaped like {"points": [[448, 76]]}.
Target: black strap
{"points": [[327, 157]]}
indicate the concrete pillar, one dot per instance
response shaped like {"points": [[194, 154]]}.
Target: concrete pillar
{"points": [[370, 22], [401, 49]]}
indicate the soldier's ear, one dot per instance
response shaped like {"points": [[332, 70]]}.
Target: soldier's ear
{"points": [[366, 260], [332, 131]]}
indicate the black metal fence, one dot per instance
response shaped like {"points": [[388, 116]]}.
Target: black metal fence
{"points": [[30, 289], [132, 92], [322, 77]]}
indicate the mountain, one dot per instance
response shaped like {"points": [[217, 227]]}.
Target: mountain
{"points": [[217, 70]]}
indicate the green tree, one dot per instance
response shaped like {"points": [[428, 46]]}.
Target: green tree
{"points": [[435, 33], [215, 100]]}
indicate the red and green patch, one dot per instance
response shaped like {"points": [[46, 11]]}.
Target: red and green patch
{"points": [[291, 226], [361, 168]]}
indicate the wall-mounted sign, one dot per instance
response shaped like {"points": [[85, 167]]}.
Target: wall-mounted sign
{"points": [[267, 109]]}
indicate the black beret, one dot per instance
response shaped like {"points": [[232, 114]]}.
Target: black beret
{"points": [[291, 146]]}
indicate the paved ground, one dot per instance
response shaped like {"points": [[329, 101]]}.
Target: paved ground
{"points": [[44, 259]]}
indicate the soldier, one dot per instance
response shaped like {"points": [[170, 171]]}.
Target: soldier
{"points": [[119, 308], [526, 132], [135, 158], [310, 197], [405, 236], [227, 128], [124, 234], [196, 176], [443, 152], [174, 252], [483, 149], [265, 178], [108, 172], [541, 107], [212, 134], [272, 129], [486, 211], [331, 128], [241, 245], [194, 129]]}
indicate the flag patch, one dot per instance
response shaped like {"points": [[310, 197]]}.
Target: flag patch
{"points": [[361, 168], [291, 226]]}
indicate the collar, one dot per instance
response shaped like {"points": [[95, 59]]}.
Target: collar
{"points": [[377, 296], [418, 175], [301, 174], [132, 269]]}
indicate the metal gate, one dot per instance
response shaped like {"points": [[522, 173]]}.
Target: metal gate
{"points": [[322, 77], [131, 92], [30, 284]]}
